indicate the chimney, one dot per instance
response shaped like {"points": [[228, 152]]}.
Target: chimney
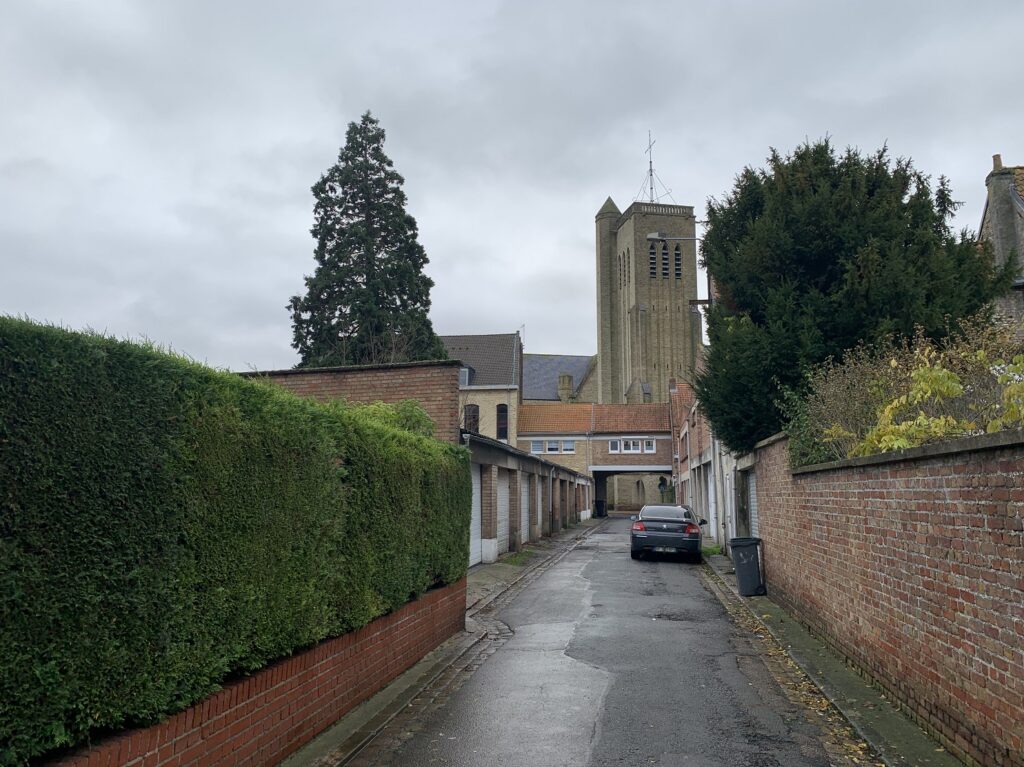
{"points": [[564, 387], [997, 162]]}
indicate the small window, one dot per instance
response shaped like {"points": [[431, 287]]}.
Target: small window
{"points": [[664, 260], [553, 446], [471, 417], [463, 376], [679, 263], [613, 446], [537, 446], [649, 446], [502, 421], [652, 255], [630, 446], [568, 446]]}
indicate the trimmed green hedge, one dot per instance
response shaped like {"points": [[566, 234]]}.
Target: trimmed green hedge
{"points": [[164, 526]]}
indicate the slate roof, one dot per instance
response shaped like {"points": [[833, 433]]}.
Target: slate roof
{"points": [[584, 418], [493, 360], [541, 371]]}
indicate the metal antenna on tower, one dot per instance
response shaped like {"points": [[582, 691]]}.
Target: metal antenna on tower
{"points": [[650, 163]]}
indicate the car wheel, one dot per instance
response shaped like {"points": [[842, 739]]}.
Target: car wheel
{"points": [[634, 554], [696, 558]]}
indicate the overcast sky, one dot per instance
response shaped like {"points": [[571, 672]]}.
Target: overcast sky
{"points": [[156, 155]]}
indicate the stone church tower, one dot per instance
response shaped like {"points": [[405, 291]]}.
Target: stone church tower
{"points": [[647, 329]]}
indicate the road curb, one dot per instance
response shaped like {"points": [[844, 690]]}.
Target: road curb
{"points": [[892, 752]]}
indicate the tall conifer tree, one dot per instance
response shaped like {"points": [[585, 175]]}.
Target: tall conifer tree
{"points": [[815, 254], [368, 299]]}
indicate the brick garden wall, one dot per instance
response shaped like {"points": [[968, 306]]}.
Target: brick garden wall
{"points": [[913, 568], [263, 718], [435, 385]]}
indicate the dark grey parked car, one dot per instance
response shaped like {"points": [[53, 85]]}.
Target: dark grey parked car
{"points": [[666, 529]]}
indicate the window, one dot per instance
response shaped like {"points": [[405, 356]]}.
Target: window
{"points": [[629, 267], [568, 446], [613, 444], [630, 446], [664, 260], [502, 421], [464, 377], [652, 256], [537, 446], [471, 417], [649, 446], [553, 446], [679, 263]]}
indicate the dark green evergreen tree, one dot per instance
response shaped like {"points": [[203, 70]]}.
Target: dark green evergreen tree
{"points": [[815, 254], [368, 299]]}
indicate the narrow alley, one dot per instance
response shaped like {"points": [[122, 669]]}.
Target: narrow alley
{"points": [[595, 659]]}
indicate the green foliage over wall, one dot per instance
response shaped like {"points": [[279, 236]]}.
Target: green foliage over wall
{"points": [[164, 526], [895, 395]]}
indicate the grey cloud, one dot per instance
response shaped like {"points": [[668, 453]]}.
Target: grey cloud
{"points": [[156, 159]]}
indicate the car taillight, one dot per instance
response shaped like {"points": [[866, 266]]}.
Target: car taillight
{"points": [[691, 528], [639, 527]]}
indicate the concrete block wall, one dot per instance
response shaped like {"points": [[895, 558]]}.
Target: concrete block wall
{"points": [[914, 570], [435, 385], [261, 719]]}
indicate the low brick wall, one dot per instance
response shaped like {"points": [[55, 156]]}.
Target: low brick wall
{"points": [[435, 385], [263, 718], [913, 568]]}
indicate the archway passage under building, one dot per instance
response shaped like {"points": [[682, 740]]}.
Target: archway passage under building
{"points": [[624, 490]]}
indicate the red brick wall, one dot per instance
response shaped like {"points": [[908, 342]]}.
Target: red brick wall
{"points": [[434, 385], [262, 719], [915, 571]]}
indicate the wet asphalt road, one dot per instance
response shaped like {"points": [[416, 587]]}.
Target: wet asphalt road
{"points": [[610, 661]]}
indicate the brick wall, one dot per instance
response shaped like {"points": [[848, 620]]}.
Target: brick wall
{"points": [[914, 570], [435, 385], [263, 718]]}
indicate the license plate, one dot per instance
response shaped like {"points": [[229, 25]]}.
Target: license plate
{"points": [[665, 549]]}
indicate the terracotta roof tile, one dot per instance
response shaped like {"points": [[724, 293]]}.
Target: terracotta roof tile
{"points": [[582, 418], [681, 400]]}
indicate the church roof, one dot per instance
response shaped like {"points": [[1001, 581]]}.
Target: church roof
{"points": [[493, 360], [587, 418], [609, 209], [541, 371]]}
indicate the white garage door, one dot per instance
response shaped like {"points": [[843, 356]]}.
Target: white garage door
{"points": [[752, 484], [539, 516], [475, 549], [524, 508], [502, 511]]}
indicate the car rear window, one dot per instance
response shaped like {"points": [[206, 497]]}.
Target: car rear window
{"points": [[666, 512]]}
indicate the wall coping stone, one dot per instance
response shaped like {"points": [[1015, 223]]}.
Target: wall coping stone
{"points": [[777, 437], [350, 368], [994, 441]]}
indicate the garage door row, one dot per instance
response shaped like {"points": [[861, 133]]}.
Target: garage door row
{"points": [[519, 498]]}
